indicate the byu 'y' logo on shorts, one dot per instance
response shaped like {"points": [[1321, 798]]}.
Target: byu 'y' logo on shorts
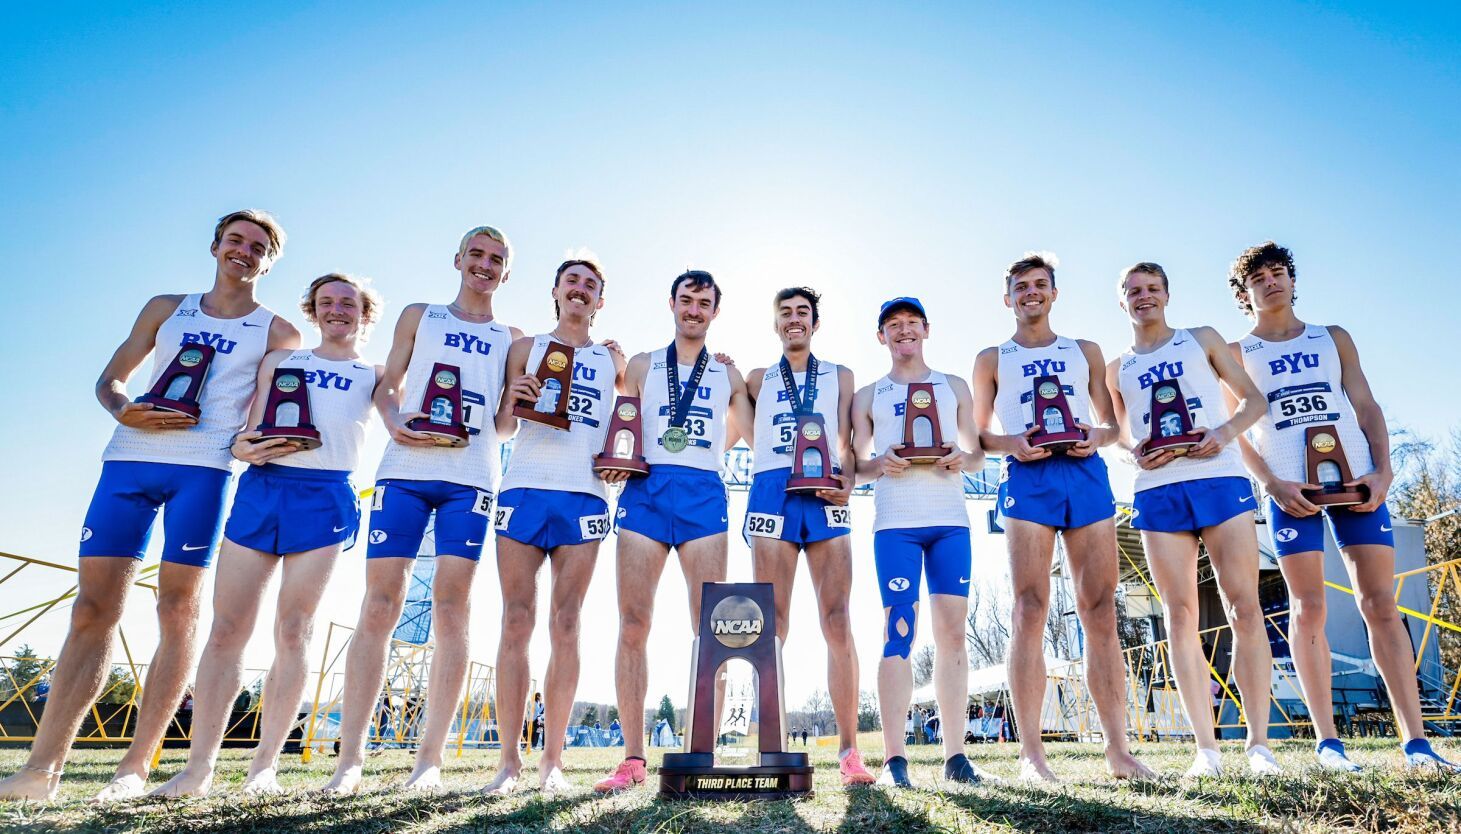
{"points": [[1009, 501], [898, 583], [377, 536], [1286, 534], [85, 533]]}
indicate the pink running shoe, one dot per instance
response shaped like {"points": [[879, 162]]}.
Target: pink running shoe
{"points": [[853, 773], [629, 773]]}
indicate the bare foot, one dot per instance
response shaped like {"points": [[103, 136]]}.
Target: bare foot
{"points": [[1033, 771], [424, 778], [122, 788], [30, 785], [263, 783], [1126, 766], [345, 782], [504, 784], [552, 780], [189, 782]]}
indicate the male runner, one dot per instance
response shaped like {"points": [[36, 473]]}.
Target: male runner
{"points": [[1310, 375], [920, 527], [1040, 494], [298, 505], [552, 506], [416, 478], [692, 405], [1203, 496], [159, 458], [780, 524]]}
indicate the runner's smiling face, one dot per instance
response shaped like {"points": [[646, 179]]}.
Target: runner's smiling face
{"points": [[794, 323], [1031, 294], [1144, 298], [483, 264], [242, 251], [904, 333], [338, 311], [579, 292], [694, 310], [1270, 288]]}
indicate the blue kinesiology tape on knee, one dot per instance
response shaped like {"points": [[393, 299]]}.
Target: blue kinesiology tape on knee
{"points": [[901, 619]]}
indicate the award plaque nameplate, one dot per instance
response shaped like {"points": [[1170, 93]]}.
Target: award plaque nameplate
{"points": [[1171, 422], [286, 411], [442, 404], [736, 620], [1051, 409], [624, 445], [181, 384], [555, 374], [1326, 465]]}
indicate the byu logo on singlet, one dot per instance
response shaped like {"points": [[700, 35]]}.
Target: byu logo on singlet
{"points": [[213, 340], [1044, 367], [584, 372], [701, 393], [328, 379], [781, 396], [1292, 363], [1158, 372], [468, 343]]}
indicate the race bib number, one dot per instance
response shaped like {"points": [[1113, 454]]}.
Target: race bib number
{"points": [[593, 526], [378, 499], [1299, 405], [840, 517], [765, 525], [474, 410], [484, 503], [504, 517]]}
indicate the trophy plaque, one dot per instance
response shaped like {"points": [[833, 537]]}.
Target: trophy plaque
{"points": [[923, 442], [442, 403], [1171, 422], [737, 619], [624, 446], [1058, 430], [181, 383], [555, 372], [811, 467], [1326, 465], [286, 411]]}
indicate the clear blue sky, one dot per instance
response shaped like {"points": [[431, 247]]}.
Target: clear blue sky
{"points": [[868, 151]]}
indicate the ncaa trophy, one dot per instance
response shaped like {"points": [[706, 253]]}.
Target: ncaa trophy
{"points": [[286, 411], [1058, 430], [923, 441], [181, 383], [624, 445], [555, 372], [1170, 420], [1326, 465], [811, 463], [737, 620], [442, 404]]}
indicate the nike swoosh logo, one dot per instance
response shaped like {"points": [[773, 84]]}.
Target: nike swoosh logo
{"points": [[360, 367], [471, 543], [1062, 347], [1316, 335], [963, 581], [1385, 529], [1245, 499], [195, 547], [1183, 342], [337, 530], [246, 324]]}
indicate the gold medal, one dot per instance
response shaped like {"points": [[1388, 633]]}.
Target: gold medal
{"points": [[675, 439]]}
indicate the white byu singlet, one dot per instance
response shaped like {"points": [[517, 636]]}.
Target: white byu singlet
{"points": [[1018, 368], [775, 427], [239, 346], [339, 407], [547, 458], [1184, 361], [705, 423], [479, 349], [1300, 379], [924, 495]]}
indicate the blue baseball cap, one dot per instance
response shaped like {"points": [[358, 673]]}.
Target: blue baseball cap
{"points": [[902, 302]]}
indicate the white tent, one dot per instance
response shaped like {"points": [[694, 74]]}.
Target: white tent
{"points": [[991, 679]]}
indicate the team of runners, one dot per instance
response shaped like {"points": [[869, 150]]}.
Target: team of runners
{"points": [[1251, 402]]}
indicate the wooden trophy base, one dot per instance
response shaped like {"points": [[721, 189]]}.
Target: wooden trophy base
{"points": [[921, 454], [1340, 496], [1177, 444], [176, 406], [608, 463], [303, 437], [556, 421], [695, 776], [1057, 441], [798, 485], [444, 435]]}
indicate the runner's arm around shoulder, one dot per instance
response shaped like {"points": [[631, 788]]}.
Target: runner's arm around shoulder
{"points": [[111, 386], [968, 431], [521, 386], [741, 415], [621, 365], [1246, 404], [1368, 414]]}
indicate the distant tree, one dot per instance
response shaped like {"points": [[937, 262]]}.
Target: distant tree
{"points": [[25, 671], [868, 717], [1428, 486], [666, 711], [988, 625], [613, 713], [590, 716], [923, 666], [120, 687]]}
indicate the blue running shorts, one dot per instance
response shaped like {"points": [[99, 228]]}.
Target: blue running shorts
{"points": [[1190, 506], [400, 509], [289, 509], [550, 518], [903, 555], [1060, 491], [802, 518], [128, 496], [674, 504], [1304, 535]]}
